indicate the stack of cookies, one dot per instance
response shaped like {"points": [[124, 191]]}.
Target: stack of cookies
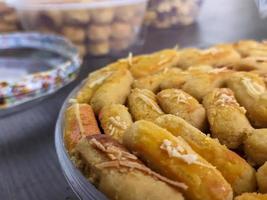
{"points": [[97, 32], [8, 19], [169, 13]]}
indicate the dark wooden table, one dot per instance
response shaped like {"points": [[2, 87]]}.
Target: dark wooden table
{"points": [[29, 169]]}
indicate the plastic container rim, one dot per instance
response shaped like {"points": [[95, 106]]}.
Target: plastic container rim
{"points": [[20, 5]]}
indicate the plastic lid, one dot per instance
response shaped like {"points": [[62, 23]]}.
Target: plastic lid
{"points": [[69, 4]]}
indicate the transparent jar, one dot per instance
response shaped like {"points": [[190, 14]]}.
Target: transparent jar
{"points": [[97, 28], [9, 21], [171, 13]]}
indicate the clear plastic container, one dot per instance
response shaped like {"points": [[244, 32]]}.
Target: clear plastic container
{"points": [[9, 21], [96, 27], [33, 66], [172, 13], [79, 184]]}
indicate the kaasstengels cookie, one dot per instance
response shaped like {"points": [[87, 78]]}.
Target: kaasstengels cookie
{"points": [[154, 81], [176, 80], [96, 79], [114, 90], [216, 56], [250, 92], [235, 169], [251, 48], [227, 119], [181, 104], [150, 64], [255, 146], [173, 157], [115, 119], [80, 121], [143, 105], [120, 175], [200, 84]]}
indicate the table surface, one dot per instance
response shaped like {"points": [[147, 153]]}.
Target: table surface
{"points": [[29, 168]]}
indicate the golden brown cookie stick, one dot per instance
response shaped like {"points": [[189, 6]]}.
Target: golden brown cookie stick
{"points": [[143, 105], [177, 80], [114, 90], [255, 146], [174, 158], [216, 56], [120, 175], [200, 84], [248, 48], [144, 65], [97, 78], [154, 81], [250, 92], [235, 169], [115, 119], [79, 122], [227, 119], [181, 104]]}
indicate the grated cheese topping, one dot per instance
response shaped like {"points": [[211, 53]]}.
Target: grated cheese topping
{"points": [[118, 122], [130, 59], [178, 152], [120, 158], [211, 51], [225, 97], [176, 47], [73, 101], [181, 153], [146, 98], [180, 96], [115, 123], [218, 70], [137, 166], [113, 152], [78, 118], [253, 88]]}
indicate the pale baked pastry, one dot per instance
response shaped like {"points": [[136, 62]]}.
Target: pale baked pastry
{"points": [[234, 168], [250, 91], [199, 126], [227, 118], [181, 104], [114, 90], [115, 119], [80, 121], [143, 105], [120, 175], [255, 146], [174, 158]]}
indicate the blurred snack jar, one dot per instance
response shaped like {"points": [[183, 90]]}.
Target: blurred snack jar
{"points": [[171, 13], [96, 27], [8, 18]]}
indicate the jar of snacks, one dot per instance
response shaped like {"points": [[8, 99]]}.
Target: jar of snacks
{"points": [[169, 13], [96, 27], [8, 19]]}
